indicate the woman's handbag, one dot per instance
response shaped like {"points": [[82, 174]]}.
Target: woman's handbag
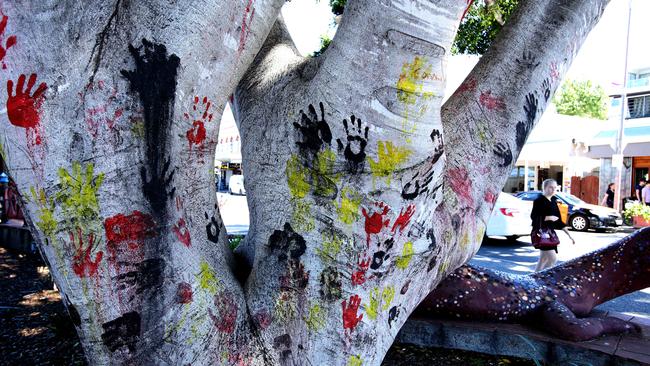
{"points": [[544, 237]]}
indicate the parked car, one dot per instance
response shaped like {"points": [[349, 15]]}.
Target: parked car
{"points": [[582, 216], [510, 218], [236, 185]]}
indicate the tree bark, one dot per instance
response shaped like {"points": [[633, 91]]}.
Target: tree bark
{"points": [[356, 214], [112, 124]]}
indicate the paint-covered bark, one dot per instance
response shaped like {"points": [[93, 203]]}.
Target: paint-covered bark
{"points": [[362, 197], [359, 203], [109, 134], [557, 300]]}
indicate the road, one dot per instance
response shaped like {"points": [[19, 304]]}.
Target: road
{"points": [[520, 258]]}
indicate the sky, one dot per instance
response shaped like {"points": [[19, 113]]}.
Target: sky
{"points": [[600, 59]]}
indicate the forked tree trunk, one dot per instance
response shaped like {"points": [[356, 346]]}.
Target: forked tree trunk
{"points": [[358, 208]]}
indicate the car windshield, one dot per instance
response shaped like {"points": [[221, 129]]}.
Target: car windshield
{"points": [[569, 198]]}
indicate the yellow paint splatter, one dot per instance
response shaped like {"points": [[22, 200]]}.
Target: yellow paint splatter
{"points": [[379, 299], [297, 177], [301, 219], [330, 247], [207, 278], [387, 297], [324, 179], [407, 253], [316, 319], [45, 221], [372, 309], [411, 79], [354, 361], [389, 158], [349, 210]]}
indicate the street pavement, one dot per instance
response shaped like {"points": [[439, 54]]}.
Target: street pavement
{"points": [[515, 257], [520, 258]]}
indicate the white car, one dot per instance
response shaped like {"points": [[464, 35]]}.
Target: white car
{"points": [[236, 185], [510, 217]]}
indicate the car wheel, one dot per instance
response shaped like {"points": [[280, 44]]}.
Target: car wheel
{"points": [[512, 238], [580, 223]]}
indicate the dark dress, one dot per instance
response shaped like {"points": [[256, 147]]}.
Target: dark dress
{"points": [[542, 207], [610, 198]]}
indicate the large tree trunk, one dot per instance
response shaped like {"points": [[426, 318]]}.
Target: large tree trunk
{"points": [[356, 214]]}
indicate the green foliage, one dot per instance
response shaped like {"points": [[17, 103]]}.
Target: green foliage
{"points": [[325, 41], [582, 98], [235, 240], [337, 6], [637, 209], [481, 24]]}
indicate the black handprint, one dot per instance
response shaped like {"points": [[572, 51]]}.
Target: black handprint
{"points": [[356, 139], [212, 228], [524, 127], [528, 60], [155, 190], [379, 257], [546, 85], [503, 152], [393, 313], [314, 131]]}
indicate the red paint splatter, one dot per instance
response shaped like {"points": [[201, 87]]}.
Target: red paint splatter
{"points": [[101, 114], [375, 222], [404, 218], [247, 19], [182, 233], [197, 134], [227, 308], [263, 318], [490, 197], [555, 73], [350, 309], [82, 263], [184, 293], [491, 103], [359, 277], [125, 234], [468, 85], [461, 185], [11, 41]]}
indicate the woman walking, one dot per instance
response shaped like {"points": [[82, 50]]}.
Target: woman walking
{"points": [[608, 198], [546, 217]]}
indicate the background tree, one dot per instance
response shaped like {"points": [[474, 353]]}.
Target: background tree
{"points": [[362, 186], [582, 98]]}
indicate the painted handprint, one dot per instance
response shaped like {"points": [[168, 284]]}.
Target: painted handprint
{"points": [[504, 153], [359, 276], [82, 263], [350, 309], [355, 148], [314, 130], [524, 127], [182, 232], [11, 40], [197, 134], [376, 221], [23, 108]]}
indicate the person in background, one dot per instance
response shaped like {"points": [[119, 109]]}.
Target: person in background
{"points": [[645, 194], [638, 188], [608, 198], [546, 214]]}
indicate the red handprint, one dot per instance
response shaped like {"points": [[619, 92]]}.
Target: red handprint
{"points": [[350, 318], [23, 109], [375, 222], [196, 135], [227, 308], [403, 219], [10, 41], [182, 233], [82, 263], [359, 277]]}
